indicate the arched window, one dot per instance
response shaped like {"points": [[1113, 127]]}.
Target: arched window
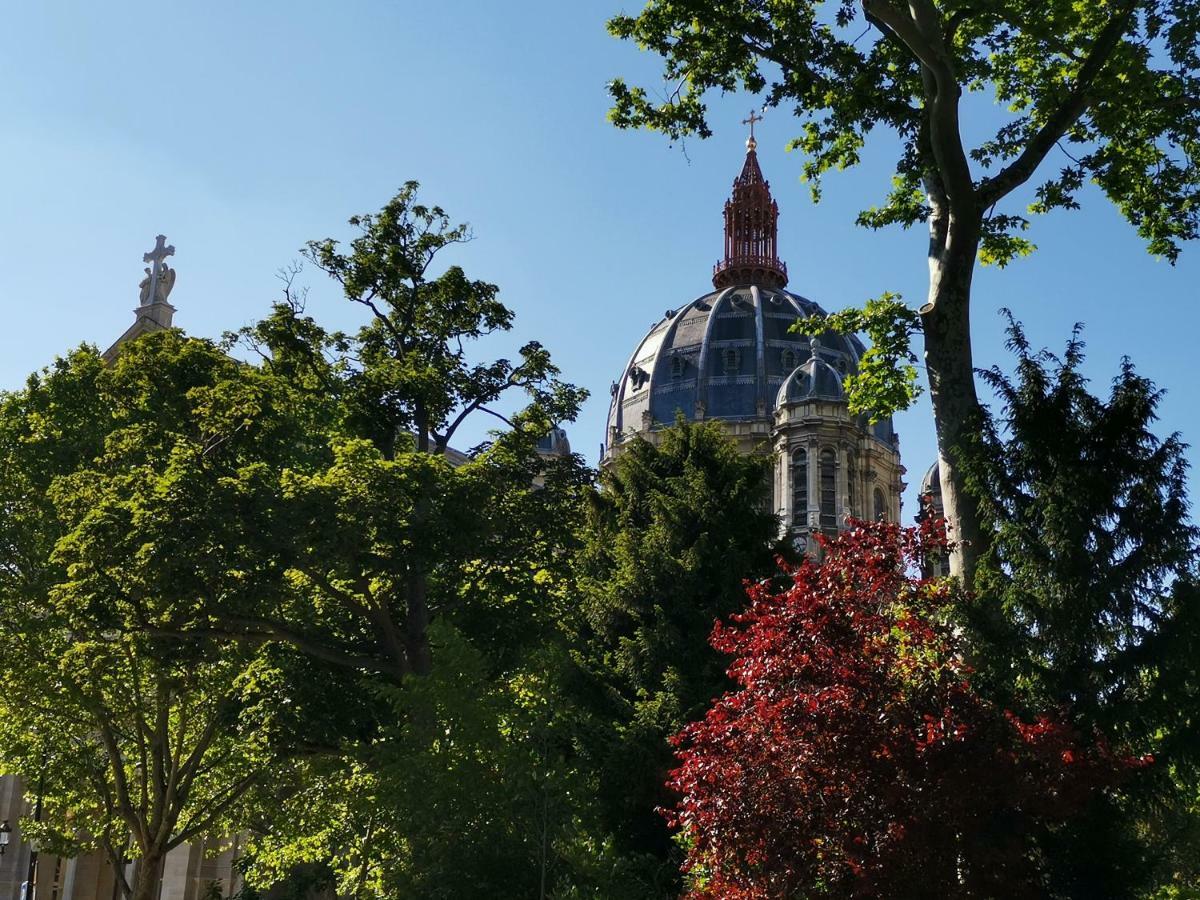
{"points": [[676, 367], [787, 359], [800, 487], [851, 479], [828, 490], [881, 510]]}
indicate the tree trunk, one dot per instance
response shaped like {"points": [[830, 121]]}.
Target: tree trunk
{"points": [[957, 414], [148, 875], [416, 621]]}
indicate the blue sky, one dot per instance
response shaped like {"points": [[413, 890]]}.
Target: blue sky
{"points": [[242, 130]]}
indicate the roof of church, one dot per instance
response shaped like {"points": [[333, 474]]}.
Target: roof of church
{"points": [[554, 443], [814, 379], [726, 354], [931, 483]]}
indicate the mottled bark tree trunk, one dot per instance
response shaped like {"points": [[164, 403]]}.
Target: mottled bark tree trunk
{"points": [[957, 414]]}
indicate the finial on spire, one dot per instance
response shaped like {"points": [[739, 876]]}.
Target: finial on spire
{"points": [[751, 143], [751, 219]]}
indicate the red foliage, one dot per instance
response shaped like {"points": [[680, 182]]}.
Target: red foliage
{"points": [[855, 758]]}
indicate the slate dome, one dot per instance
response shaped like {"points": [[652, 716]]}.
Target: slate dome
{"points": [[725, 356], [814, 379]]}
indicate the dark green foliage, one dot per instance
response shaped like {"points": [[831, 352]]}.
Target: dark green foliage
{"points": [[1088, 599], [668, 543]]}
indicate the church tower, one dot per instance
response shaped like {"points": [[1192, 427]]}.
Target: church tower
{"points": [[730, 356]]}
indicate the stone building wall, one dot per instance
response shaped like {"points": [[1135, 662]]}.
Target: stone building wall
{"points": [[190, 872]]}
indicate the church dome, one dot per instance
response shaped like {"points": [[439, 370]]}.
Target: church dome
{"points": [[725, 355], [931, 484], [815, 379]]}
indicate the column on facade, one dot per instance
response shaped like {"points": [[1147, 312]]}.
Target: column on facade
{"points": [[177, 872], [783, 485], [90, 878], [814, 486], [842, 485], [70, 870]]}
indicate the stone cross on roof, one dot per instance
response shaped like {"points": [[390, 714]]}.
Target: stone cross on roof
{"points": [[160, 279]]}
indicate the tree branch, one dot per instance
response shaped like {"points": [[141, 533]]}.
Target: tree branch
{"points": [[264, 632], [921, 33], [204, 823], [1068, 112]]}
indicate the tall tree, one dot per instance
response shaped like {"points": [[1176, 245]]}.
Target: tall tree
{"points": [[1109, 87], [385, 535], [129, 493], [856, 759], [1093, 571], [399, 547], [669, 541]]}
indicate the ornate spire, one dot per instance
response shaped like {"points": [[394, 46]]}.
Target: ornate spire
{"points": [[751, 221]]}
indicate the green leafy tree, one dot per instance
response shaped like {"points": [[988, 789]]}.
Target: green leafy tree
{"points": [[1108, 88], [399, 548], [473, 790], [668, 543], [129, 493], [886, 378], [1093, 569], [385, 537]]}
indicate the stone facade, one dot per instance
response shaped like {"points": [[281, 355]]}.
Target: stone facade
{"points": [[829, 469]]}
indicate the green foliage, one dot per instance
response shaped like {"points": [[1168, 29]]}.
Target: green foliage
{"points": [[126, 499], [1088, 598], [402, 560], [886, 380], [471, 791], [279, 549], [668, 543], [408, 371], [1107, 84]]}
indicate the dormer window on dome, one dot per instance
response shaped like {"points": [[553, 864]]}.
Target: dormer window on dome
{"points": [[751, 229]]}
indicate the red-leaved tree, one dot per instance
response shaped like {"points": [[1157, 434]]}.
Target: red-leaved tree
{"points": [[855, 759]]}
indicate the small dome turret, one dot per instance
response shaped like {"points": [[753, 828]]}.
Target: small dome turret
{"points": [[814, 379], [554, 443], [931, 484]]}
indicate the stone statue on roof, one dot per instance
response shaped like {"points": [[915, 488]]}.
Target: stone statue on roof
{"points": [[160, 278]]}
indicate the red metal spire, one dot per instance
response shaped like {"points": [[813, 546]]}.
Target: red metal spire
{"points": [[751, 223]]}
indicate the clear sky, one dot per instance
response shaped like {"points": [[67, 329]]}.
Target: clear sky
{"points": [[241, 130]]}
